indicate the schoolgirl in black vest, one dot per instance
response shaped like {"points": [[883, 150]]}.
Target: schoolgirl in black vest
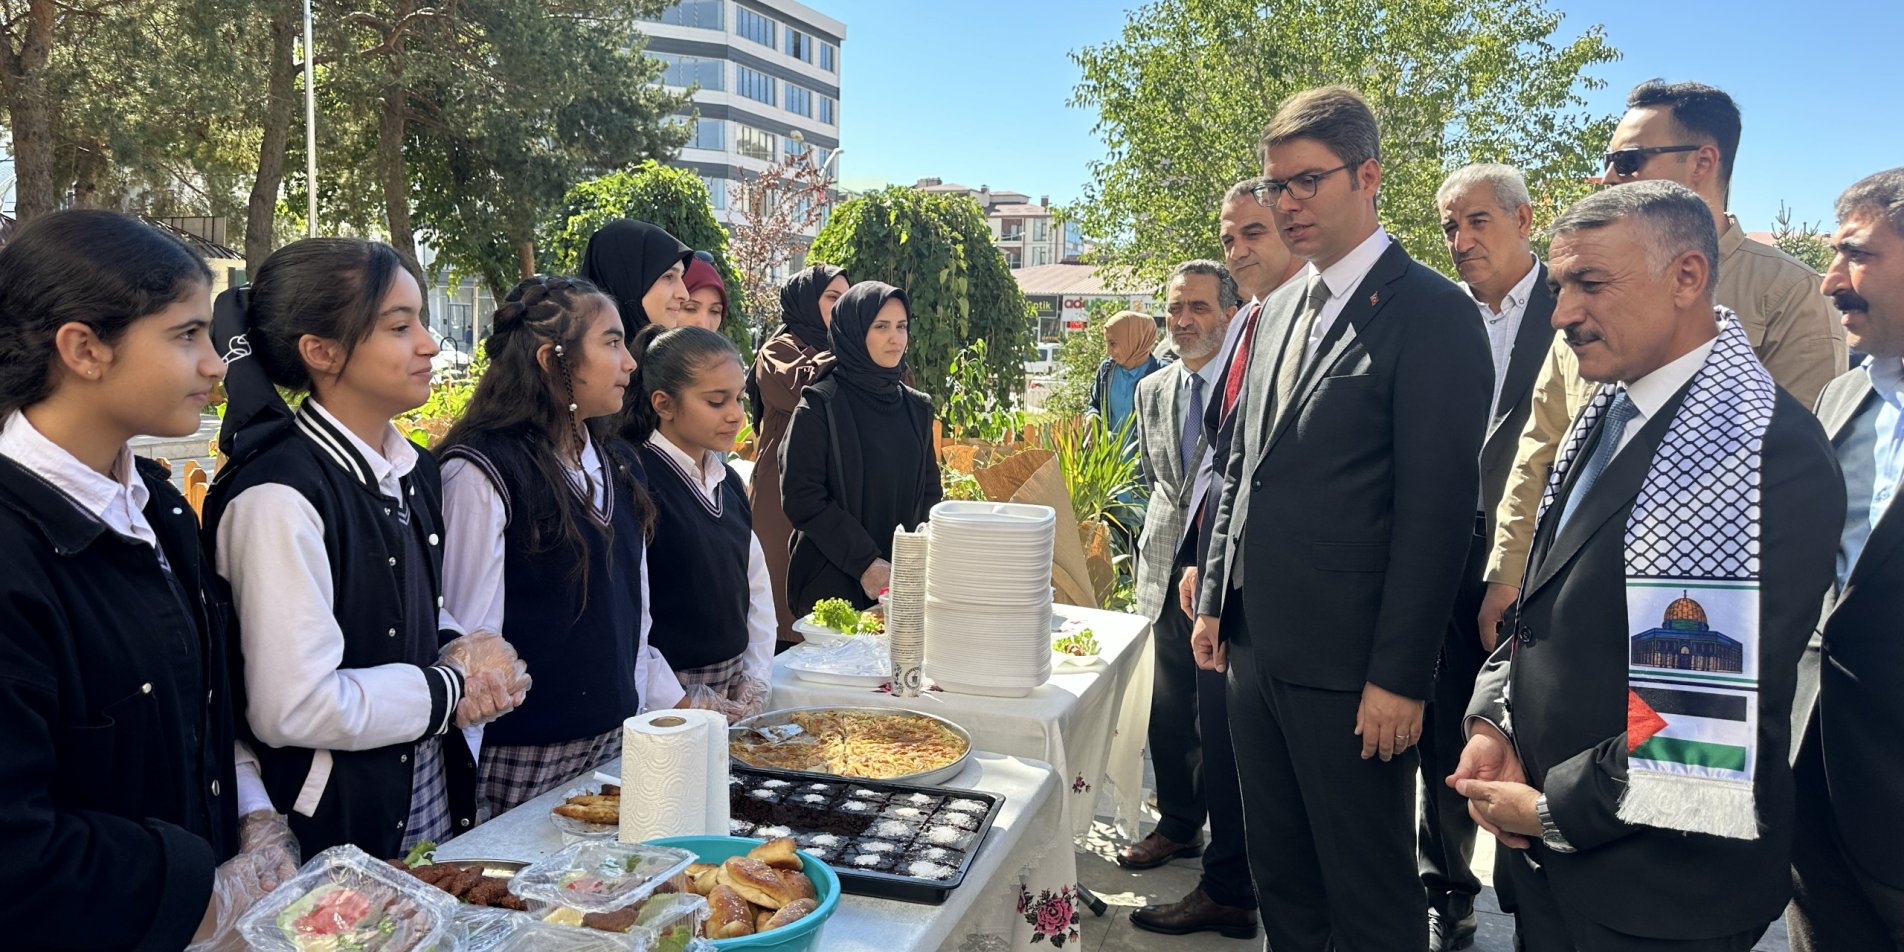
{"points": [[325, 523], [713, 607], [119, 763], [547, 525]]}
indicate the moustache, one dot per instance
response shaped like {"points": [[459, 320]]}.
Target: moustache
{"points": [[1577, 338], [1849, 301]]}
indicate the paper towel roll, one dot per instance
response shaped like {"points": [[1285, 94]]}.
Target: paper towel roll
{"points": [[673, 775]]}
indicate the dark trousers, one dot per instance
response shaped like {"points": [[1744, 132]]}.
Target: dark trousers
{"points": [[1834, 904], [1547, 925], [1190, 738], [1331, 836], [1446, 833]]}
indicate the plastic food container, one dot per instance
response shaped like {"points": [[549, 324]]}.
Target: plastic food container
{"points": [[801, 936], [600, 876], [346, 898]]}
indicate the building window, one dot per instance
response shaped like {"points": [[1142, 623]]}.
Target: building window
{"points": [[1011, 229], [684, 71], [1040, 230], [799, 45], [827, 109], [716, 192], [702, 14], [753, 26], [820, 156], [754, 143], [792, 147], [754, 85], [799, 100], [829, 57], [1012, 258], [708, 134], [1039, 255]]}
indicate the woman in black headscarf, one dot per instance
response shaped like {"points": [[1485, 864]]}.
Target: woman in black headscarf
{"points": [[791, 359], [858, 456], [640, 266]]}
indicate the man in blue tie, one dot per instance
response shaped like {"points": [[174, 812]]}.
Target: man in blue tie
{"points": [[1848, 856], [1629, 736], [1200, 299]]}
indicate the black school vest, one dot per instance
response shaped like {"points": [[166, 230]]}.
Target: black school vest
{"points": [[697, 565], [367, 798], [580, 651]]}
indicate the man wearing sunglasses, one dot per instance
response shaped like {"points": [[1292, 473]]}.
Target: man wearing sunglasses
{"points": [[1347, 505], [1686, 133]]}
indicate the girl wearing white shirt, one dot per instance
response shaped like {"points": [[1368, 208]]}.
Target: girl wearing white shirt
{"points": [[713, 607], [547, 524], [326, 524]]}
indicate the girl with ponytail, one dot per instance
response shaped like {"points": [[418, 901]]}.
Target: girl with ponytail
{"points": [[713, 607], [547, 532], [326, 524]]}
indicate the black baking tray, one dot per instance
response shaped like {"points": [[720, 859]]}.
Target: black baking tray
{"points": [[854, 880]]}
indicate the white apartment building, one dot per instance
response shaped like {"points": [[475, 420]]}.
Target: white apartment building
{"points": [[766, 69], [1029, 234]]}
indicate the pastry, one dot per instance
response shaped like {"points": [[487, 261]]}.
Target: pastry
{"points": [[729, 915], [755, 881], [790, 913], [780, 853]]}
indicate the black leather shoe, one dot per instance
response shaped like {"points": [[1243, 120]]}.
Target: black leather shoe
{"points": [[1451, 929], [1196, 912]]}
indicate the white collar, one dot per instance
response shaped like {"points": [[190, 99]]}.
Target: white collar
{"points": [[1207, 374], [1343, 276], [1516, 297], [1887, 376], [1650, 393], [709, 469], [382, 467], [123, 492]]}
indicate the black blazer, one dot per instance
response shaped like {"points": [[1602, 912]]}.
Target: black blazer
{"points": [[116, 769], [1849, 678], [1567, 683], [1531, 343], [1354, 510]]}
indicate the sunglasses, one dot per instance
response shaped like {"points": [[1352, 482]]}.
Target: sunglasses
{"points": [[1629, 161]]}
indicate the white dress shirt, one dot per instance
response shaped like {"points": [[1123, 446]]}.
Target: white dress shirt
{"points": [[119, 501], [1650, 393], [762, 624], [1343, 278], [1504, 325], [474, 519]]}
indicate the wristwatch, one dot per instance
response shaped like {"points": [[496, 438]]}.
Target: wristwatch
{"points": [[1550, 835]]}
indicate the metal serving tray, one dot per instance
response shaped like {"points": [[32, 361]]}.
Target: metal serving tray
{"points": [[785, 716]]}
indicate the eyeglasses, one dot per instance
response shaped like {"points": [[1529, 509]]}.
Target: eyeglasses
{"points": [[1628, 161], [1300, 187]]}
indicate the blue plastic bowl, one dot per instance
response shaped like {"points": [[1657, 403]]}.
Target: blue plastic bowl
{"points": [[802, 936]]}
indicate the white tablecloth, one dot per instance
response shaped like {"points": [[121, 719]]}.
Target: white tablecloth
{"points": [[982, 914], [1088, 723]]}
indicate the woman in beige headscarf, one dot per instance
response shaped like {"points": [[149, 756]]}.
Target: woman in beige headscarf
{"points": [[1128, 339]]}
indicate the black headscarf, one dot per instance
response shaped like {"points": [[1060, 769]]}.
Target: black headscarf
{"points": [[853, 316], [800, 316], [625, 258]]}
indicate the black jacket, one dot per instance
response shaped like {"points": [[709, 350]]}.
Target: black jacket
{"points": [[1851, 679], [821, 487], [1563, 694], [1355, 508], [1509, 415], [117, 797]]}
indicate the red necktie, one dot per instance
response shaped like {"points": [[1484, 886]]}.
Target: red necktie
{"points": [[1239, 365]]}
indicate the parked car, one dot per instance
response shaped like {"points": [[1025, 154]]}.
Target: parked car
{"points": [[1044, 363]]}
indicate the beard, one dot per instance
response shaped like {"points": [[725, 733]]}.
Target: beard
{"points": [[1199, 347]]}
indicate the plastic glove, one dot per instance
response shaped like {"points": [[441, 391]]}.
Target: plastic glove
{"points": [[267, 856], [749, 697], [495, 679], [702, 697]]}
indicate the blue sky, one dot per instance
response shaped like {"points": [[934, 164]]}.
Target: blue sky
{"points": [[975, 92]]}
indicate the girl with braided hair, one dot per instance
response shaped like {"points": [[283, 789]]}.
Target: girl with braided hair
{"points": [[326, 525], [548, 528]]}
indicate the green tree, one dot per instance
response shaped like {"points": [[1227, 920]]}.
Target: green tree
{"points": [[674, 200], [940, 250], [1802, 241], [1183, 95]]}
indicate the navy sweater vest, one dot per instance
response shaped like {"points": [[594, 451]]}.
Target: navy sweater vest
{"points": [[697, 565]]}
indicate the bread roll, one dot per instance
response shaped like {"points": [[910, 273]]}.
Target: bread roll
{"points": [[704, 877], [756, 881], [782, 853], [761, 918], [730, 916], [789, 914], [798, 885]]}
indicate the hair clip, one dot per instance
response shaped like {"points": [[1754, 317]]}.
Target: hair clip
{"points": [[571, 408], [558, 351]]}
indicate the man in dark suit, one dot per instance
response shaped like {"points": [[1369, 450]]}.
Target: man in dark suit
{"points": [[1848, 719], [1487, 218], [1599, 866], [1199, 301], [1348, 500]]}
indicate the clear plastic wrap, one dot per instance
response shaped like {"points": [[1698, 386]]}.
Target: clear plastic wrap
{"points": [[600, 876], [346, 899]]}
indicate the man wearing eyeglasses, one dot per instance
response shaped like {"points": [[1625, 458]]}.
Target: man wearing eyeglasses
{"points": [[1346, 509], [1686, 133]]}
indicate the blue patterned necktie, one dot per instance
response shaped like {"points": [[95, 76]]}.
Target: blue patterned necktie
{"points": [[1618, 414], [1193, 424]]}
